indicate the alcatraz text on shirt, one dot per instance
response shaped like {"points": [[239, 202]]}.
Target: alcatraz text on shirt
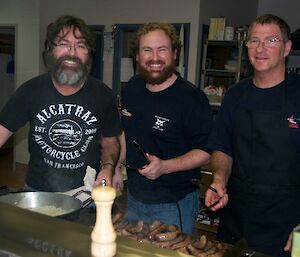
{"points": [[69, 109]]}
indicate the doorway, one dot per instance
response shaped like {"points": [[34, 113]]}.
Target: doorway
{"points": [[7, 68], [7, 87]]}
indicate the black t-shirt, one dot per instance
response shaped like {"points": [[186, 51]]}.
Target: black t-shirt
{"points": [[221, 138], [64, 130], [167, 124]]}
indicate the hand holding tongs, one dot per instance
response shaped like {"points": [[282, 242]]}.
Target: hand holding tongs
{"points": [[198, 182], [216, 202], [142, 152]]}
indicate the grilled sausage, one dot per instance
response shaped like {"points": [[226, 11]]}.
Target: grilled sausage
{"points": [[168, 244], [155, 224], [143, 233], [207, 253], [120, 224], [117, 217], [183, 243], [171, 233], [138, 227], [182, 250], [208, 246], [201, 243], [193, 250], [159, 229]]}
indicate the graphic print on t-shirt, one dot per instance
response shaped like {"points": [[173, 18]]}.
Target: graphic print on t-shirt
{"points": [[293, 122], [63, 133], [159, 122]]}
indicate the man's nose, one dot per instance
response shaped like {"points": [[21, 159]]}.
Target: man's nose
{"points": [[155, 55], [260, 46], [72, 50]]}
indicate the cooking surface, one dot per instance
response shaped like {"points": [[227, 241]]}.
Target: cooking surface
{"points": [[29, 234]]}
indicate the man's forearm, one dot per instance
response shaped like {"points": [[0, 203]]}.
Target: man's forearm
{"points": [[221, 165], [110, 150], [192, 159]]}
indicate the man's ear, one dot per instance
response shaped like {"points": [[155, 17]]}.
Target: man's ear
{"points": [[176, 55], [288, 47]]}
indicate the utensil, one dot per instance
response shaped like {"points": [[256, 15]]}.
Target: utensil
{"points": [[198, 182], [141, 151], [30, 200], [129, 167]]}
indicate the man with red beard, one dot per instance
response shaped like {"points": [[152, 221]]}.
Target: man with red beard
{"points": [[256, 146], [73, 117], [171, 119]]}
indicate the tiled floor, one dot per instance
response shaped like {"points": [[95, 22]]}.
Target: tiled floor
{"points": [[10, 176]]}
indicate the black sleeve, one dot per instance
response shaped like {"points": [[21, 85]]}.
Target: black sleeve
{"points": [[198, 122], [112, 124], [222, 134]]}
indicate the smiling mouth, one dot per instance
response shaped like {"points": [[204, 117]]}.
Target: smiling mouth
{"points": [[155, 67], [70, 63]]}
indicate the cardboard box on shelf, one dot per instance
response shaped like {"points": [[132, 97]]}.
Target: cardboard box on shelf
{"points": [[216, 28]]}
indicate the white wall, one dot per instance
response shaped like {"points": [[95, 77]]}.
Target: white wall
{"points": [[24, 15], [287, 10], [104, 12]]}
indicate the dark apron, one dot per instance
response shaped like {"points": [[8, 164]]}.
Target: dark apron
{"points": [[264, 187]]}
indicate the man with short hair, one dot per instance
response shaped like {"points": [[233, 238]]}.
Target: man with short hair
{"points": [[256, 143], [170, 119]]}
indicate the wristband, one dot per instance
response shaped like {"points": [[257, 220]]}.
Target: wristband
{"points": [[107, 163]]}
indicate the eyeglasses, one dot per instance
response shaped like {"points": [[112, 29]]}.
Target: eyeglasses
{"points": [[79, 48], [269, 42]]}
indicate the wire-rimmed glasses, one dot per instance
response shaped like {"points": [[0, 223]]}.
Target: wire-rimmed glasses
{"points": [[268, 42], [66, 47]]}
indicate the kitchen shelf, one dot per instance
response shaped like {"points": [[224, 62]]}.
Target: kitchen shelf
{"points": [[221, 73], [223, 64]]}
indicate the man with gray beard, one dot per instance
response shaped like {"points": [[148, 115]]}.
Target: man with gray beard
{"points": [[73, 117]]}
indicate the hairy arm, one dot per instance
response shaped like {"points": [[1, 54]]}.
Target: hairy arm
{"points": [[157, 167], [221, 164], [110, 149], [118, 176], [5, 134]]}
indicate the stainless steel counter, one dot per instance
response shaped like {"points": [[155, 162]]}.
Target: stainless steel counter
{"points": [[28, 234]]}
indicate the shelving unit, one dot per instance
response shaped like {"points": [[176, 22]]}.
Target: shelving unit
{"points": [[223, 64], [206, 226]]}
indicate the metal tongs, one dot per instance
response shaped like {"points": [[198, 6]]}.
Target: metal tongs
{"points": [[142, 152], [199, 183]]}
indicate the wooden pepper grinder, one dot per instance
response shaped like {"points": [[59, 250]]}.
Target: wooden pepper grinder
{"points": [[103, 235]]}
